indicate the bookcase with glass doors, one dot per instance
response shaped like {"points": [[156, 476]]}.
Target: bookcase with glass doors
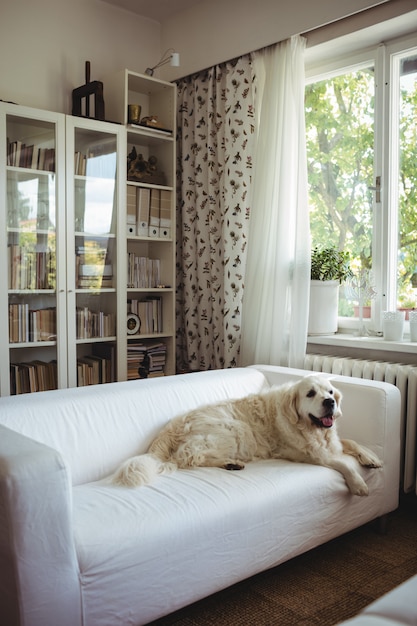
{"points": [[62, 247]]}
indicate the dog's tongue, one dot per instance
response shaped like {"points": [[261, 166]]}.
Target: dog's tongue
{"points": [[327, 421]]}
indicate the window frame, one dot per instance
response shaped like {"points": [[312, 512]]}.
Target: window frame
{"points": [[384, 57]]}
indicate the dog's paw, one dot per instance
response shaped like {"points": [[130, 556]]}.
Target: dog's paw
{"points": [[235, 466], [369, 459], [358, 487], [372, 465]]}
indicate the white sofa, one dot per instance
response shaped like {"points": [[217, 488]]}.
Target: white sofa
{"points": [[76, 550], [396, 608]]}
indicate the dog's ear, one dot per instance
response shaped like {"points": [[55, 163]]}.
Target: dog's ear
{"points": [[338, 397], [289, 405]]}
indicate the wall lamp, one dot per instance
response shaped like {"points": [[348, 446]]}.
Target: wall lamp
{"points": [[170, 56]]}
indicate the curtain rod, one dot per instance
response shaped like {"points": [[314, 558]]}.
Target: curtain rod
{"points": [[358, 21]]}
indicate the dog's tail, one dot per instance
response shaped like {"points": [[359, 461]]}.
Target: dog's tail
{"points": [[141, 470]]}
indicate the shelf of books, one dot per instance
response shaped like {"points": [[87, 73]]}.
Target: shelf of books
{"points": [[150, 304], [150, 281], [31, 209], [146, 106], [150, 347]]}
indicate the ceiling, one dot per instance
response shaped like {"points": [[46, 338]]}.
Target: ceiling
{"points": [[158, 10]]}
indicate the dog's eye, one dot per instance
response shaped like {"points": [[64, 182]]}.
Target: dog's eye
{"points": [[331, 391], [311, 393]]}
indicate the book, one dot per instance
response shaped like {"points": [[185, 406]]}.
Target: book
{"points": [[165, 214], [155, 313], [154, 208], [35, 158], [17, 149], [131, 203], [143, 203]]}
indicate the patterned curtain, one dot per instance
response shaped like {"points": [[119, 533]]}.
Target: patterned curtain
{"points": [[214, 161]]}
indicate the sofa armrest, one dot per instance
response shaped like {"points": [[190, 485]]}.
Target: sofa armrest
{"points": [[38, 565], [371, 409]]}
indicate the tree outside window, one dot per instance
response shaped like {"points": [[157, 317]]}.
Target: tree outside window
{"points": [[344, 208]]}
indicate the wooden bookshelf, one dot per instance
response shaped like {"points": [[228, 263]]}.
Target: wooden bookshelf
{"points": [[150, 216]]}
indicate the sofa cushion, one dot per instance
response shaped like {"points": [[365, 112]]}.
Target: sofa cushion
{"points": [[152, 546]]}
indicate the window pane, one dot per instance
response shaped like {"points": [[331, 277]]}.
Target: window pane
{"points": [[407, 185], [340, 153]]}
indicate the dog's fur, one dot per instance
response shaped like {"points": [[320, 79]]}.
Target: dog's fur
{"points": [[294, 421]]}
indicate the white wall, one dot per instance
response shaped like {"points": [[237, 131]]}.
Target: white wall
{"points": [[218, 30], [44, 45]]}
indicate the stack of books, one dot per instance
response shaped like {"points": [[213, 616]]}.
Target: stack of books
{"points": [[92, 267], [157, 354], [145, 360], [135, 357], [98, 276]]}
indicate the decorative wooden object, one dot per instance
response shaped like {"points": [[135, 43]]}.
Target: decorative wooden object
{"points": [[94, 88]]}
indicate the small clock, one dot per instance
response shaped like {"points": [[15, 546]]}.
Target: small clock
{"points": [[133, 324]]}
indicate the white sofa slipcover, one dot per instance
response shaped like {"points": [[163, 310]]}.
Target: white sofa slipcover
{"points": [[76, 550]]}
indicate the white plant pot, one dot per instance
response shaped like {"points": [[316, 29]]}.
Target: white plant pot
{"points": [[324, 302]]}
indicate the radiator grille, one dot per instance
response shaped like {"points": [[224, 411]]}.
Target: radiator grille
{"points": [[402, 376]]}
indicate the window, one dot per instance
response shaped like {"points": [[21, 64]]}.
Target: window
{"points": [[361, 137], [404, 184]]}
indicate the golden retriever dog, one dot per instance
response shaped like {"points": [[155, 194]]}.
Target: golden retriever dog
{"points": [[295, 421]]}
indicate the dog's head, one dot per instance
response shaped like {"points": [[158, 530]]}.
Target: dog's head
{"points": [[312, 401]]}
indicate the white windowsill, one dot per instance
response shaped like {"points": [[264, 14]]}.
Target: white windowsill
{"points": [[349, 340]]}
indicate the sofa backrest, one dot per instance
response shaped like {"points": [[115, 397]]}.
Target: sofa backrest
{"points": [[96, 428]]}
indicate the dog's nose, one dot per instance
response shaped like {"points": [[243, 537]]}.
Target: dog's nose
{"points": [[329, 403]]}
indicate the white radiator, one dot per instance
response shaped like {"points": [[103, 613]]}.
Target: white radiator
{"points": [[402, 376]]}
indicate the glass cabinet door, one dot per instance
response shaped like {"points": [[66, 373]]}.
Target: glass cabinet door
{"points": [[93, 256], [32, 306]]}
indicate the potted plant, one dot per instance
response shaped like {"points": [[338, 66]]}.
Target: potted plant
{"points": [[329, 268]]}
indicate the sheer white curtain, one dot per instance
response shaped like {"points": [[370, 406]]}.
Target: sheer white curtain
{"points": [[276, 294]]}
